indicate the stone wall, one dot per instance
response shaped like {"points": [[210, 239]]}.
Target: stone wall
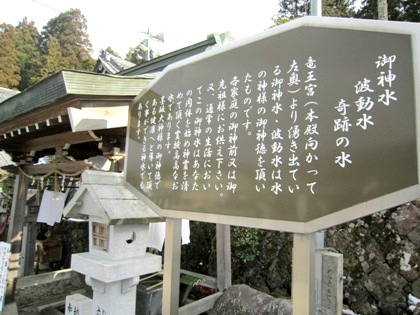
{"points": [[381, 260]]}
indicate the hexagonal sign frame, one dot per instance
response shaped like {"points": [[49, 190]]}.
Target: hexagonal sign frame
{"points": [[299, 128]]}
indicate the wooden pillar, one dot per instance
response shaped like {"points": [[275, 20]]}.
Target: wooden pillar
{"points": [[304, 289], [15, 231], [224, 270], [172, 267], [27, 260]]}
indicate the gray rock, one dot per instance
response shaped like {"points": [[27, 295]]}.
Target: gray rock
{"points": [[243, 300], [387, 287], [407, 222], [416, 288]]}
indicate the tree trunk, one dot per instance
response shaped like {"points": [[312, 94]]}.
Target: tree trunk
{"points": [[382, 10]]}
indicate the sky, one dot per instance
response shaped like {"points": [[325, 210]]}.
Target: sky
{"points": [[119, 24]]}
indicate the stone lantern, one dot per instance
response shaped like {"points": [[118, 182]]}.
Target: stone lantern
{"points": [[118, 231]]}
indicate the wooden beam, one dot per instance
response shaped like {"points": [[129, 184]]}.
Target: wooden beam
{"points": [[61, 139]]}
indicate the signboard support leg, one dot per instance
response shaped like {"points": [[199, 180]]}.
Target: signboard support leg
{"points": [[319, 247], [172, 267], [224, 270], [303, 272]]}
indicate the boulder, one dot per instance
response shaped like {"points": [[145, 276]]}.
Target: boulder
{"points": [[243, 300]]}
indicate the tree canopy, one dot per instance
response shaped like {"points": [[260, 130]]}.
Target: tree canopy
{"points": [[112, 52], [65, 43], [143, 51], [27, 56], [9, 57], [292, 9], [398, 10]]}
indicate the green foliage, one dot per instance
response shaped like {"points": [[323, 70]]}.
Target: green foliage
{"points": [[200, 255], [246, 244], [112, 52], [52, 60], [135, 55], [9, 57], [280, 20], [71, 46], [407, 10], [338, 8], [292, 9], [6, 189], [398, 10], [142, 52], [29, 55], [26, 56], [139, 54]]}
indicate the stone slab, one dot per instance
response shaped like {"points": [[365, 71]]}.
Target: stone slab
{"points": [[78, 304], [107, 270], [332, 284]]}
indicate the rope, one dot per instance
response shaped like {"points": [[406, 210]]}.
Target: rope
{"points": [[54, 172]]}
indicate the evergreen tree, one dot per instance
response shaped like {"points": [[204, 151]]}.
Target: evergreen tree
{"points": [[70, 31], [29, 58], [9, 57], [292, 9], [338, 8], [140, 54], [398, 10], [146, 50], [112, 51], [52, 60], [136, 55], [408, 10]]}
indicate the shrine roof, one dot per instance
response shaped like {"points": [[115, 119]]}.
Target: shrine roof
{"points": [[70, 82], [103, 195]]}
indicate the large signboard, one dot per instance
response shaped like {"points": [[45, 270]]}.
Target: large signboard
{"points": [[295, 125]]}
